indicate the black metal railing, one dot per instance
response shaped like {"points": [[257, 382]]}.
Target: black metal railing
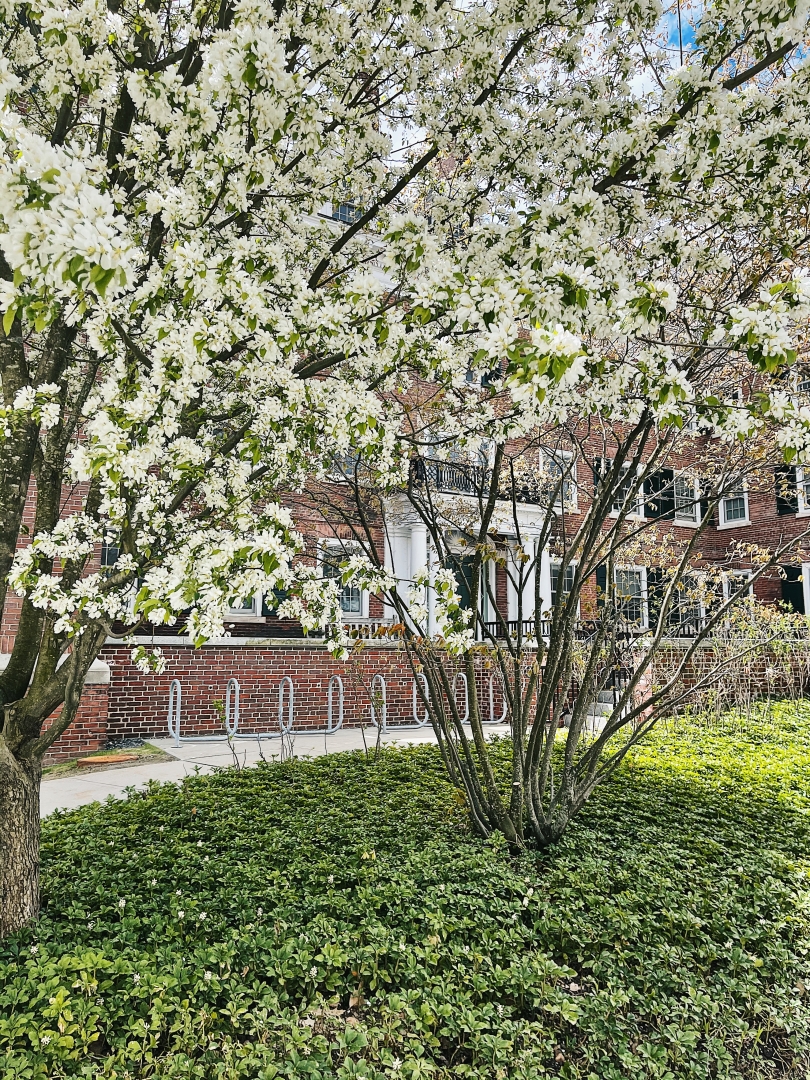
{"points": [[464, 478], [585, 629]]}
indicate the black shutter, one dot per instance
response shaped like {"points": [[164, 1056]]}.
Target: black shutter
{"points": [[659, 494], [793, 588], [655, 594], [787, 493], [600, 467], [704, 508], [601, 585]]}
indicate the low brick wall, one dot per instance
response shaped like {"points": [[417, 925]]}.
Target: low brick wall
{"points": [[88, 731], [139, 703]]}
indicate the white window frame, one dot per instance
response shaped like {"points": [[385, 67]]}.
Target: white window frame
{"points": [[687, 523], [344, 548], [802, 482], [572, 566], [694, 579], [638, 511], [571, 480], [736, 523], [252, 614], [730, 575], [645, 610]]}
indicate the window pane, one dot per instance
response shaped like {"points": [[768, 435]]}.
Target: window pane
{"points": [[734, 507], [109, 554], [623, 493], [685, 503], [629, 595], [350, 595], [568, 581]]}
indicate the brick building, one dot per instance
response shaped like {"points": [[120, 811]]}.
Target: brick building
{"points": [[262, 650]]}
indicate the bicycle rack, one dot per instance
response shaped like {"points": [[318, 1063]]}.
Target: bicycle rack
{"points": [[492, 717], [231, 715], [231, 708], [286, 681], [175, 702], [416, 721], [463, 677], [379, 680], [330, 725]]}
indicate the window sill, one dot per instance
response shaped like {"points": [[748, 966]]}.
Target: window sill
{"points": [[234, 618], [685, 524], [734, 524]]}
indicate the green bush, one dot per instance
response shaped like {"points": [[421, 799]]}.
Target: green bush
{"points": [[336, 918]]}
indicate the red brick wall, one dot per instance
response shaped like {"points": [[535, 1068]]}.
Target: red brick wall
{"points": [[87, 732], [139, 703]]}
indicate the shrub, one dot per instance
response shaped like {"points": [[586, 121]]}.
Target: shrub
{"points": [[336, 918]]}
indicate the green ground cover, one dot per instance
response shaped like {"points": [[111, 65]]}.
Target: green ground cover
{"points": [[336, 918]]}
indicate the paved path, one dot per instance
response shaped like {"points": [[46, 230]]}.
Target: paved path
{"points": [[68, 792]]}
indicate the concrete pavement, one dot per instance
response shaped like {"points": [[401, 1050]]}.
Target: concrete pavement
{"points": [[68, 792]]}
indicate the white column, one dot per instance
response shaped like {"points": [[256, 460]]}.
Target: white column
{"points": [[432, 563], [529, 548], [545, 580], [418, 554], [398, 563]]}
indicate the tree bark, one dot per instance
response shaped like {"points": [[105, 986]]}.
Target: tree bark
{"points": [[19, 840]]}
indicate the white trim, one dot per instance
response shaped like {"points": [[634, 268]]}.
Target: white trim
{"points": [[737, 523], [687, 523], [804, 508], [345, 547], [558, 562], [245, 615], [569, 458], [806, 586], [638, 513], [645, 608], [729, 574]]}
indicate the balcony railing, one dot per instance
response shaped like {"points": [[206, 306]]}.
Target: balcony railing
{"points": [[463, 478], [585, 629]]}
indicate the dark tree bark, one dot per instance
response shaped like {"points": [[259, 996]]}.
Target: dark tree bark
{"points": [[19, 839]]}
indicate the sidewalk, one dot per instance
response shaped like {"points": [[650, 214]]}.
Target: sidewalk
{"points": [[68, 792]]}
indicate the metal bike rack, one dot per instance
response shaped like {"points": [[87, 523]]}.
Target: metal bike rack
{"points": [[231, 714], [231, 708], [175, 703], [416, 721], [492, 718], [379, 680], [463, 677], [330, 724], [286, 681]]}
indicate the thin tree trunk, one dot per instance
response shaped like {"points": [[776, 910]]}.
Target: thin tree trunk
{"points": [[19, 840]]}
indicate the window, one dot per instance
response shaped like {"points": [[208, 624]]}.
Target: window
{"points": [[627, 482], [803, 487], [345, 466], [347, 213], [630, 595], [734, 507], [248, 608], [568, 581], [351, 597], [733, 579], [687, 610], [559, 470], [109, 554], [687, 500]]}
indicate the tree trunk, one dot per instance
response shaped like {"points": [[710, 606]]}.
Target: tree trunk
{"points": [[19, 840]]}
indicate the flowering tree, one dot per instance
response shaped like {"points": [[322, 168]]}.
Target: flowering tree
{"points": [[233, 235], [572, 582]]}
